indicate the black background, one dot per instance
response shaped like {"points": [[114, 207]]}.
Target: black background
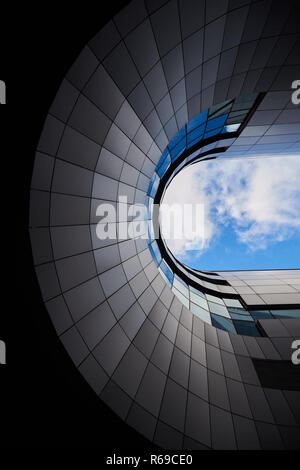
{"points": [[44, 401]]}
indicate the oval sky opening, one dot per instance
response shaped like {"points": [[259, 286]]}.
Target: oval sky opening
{"points": [[250, 214]]}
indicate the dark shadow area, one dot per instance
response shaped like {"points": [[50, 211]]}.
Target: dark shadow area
{"points": [[45, 402], [280, 375]]}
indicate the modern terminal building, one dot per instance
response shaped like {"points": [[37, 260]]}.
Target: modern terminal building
{"points": [[190, 359]]}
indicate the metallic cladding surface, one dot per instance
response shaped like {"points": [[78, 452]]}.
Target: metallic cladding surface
{"points": [[181, 382]]}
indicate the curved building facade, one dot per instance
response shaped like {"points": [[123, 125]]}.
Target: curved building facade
{"points": [[190, 359]]}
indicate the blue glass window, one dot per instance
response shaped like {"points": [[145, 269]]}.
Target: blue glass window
{"points": [[246, 328], [211, 133], [260, 314], [165, 277], [181, 286], [181, 135], [222, 323], [163, 156], [239, 311], [197, 299], [163, 165], [184, 300], [154, 250], [149, 207], [150, 185], [286, 313], [197, 121], [231, 128], [178, 149], [201, 313], [151, 251], [218, 309], [196, 135], [151, 235], [237, 316], [167, 271], [216, 122], [153, 185], [214, 299]]}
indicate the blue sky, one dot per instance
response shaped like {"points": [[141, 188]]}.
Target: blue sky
{"points": [[227, 253], [251, 213]]}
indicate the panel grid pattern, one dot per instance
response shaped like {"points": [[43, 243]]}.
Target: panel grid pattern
{"points": [[173, 377]]}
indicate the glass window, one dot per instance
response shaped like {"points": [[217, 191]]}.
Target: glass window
{"points": [[232, 303], [198, 300], [218, 309], [286, 313], [151, 235], [195, 136], [181, 297], [238, 106], [179, 137], [238, 316], [153, 185], [197, 291], [201, 313], [181, 286], [155, 253], [236, 119], [177, 151], [216, 300], [216, 122], [231, 128], [163, 165], [239, 311], [165, 277], [197, 121], [246, 328], [237, 113], [212, 133], [167, 271], [149, 206], [260, 314], [219, 109], [152, 254], [222, 323]]}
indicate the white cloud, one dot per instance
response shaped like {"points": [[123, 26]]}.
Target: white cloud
{"points": [[259, 198]]}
